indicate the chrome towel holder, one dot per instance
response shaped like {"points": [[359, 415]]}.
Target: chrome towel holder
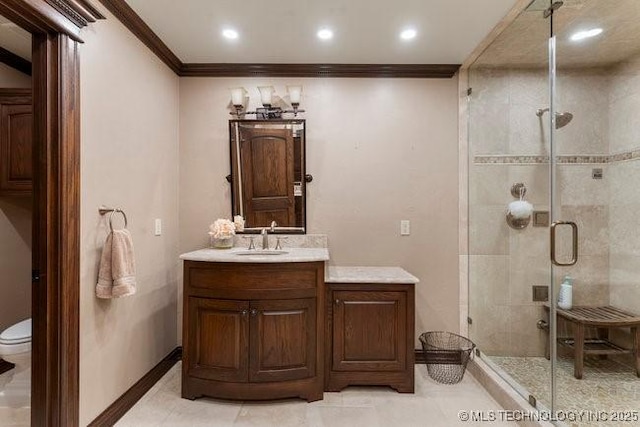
{"points": [[105, 210]]}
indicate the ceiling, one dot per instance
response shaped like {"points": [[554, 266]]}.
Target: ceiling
{"points": [[14, 38], [525, 42], [284, 31]]}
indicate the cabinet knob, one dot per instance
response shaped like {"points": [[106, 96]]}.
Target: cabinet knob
{"points": [[254, 312], [244, 312], [338, 302]]}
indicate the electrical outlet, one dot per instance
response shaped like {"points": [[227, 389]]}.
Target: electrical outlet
{"points": [[405, 227], [158, 227]]}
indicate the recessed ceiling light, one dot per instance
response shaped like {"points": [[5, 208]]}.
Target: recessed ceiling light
{"points": [[581, 35], [325, 34], [408, 34], [230, 34]]}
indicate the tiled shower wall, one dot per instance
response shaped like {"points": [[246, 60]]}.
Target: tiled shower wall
{"points": [[504, 263], [624, 187]]}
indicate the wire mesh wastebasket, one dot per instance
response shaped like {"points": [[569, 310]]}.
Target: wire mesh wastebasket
{"points": [[446, 355]]}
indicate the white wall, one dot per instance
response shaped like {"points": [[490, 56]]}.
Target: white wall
{"points": [[129, 160], [380, 150], [15, 260], [624, 178]]}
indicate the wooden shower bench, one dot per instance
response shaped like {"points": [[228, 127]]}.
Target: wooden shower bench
{"points": [[603, 318]]}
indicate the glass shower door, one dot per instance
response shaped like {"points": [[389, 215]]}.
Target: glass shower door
{"points": [[595, 179], [509, 205]]}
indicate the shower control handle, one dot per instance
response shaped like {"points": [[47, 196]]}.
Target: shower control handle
{"points": [[574, 243]]}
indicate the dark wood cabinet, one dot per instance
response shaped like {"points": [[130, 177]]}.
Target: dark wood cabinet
{"points": [[16, 142], [253, 331], [283, 340], [219, 339], [370, 334]]}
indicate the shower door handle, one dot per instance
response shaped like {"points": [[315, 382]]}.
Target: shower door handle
{"points": [[574, 243]]}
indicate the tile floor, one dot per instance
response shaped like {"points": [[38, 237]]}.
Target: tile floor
{"points": [[432, 405], [15, 395], [607, 385]]}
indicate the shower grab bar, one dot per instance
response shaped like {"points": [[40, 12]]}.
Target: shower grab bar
{"points": [[574, 238]]}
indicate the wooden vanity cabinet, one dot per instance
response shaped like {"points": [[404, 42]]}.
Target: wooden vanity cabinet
{"points": [[218, 342], [253, 331], [16, 142], [370, 335], [283, 335]]}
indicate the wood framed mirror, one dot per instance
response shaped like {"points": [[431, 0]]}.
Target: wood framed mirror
{"points": [[268, 176]]}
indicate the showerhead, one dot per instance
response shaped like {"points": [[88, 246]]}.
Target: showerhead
{"points": [[562, 119]]}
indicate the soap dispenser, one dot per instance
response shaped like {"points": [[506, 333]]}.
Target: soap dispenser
{"points": [[565, 296]]}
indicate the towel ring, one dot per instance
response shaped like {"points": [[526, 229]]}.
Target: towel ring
{"points": [[120, 211]]}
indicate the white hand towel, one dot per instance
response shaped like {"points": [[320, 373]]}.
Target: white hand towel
{"points": [[116, 277]]}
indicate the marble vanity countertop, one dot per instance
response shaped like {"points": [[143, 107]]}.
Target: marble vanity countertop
{"points": [[369, 275], [231, 255]]}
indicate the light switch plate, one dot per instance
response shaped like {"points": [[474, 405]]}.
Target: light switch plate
{"points": [[405, 227], [158, 227]]}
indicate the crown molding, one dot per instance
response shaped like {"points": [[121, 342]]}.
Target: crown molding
{"points": [[80, 12], [63, 16], [14, 61], [130, 19], [419, 71], [121, 10]]}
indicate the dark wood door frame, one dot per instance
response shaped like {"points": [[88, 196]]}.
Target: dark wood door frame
{"points": [[55, 25]]}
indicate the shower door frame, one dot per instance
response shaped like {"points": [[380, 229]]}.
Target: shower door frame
{"points": [[553, 319]]}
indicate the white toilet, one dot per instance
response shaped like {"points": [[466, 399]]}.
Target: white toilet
{"points": [[15, 343]]}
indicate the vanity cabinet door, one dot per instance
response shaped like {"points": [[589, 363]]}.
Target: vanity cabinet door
{"points": [[283, 340], [369, 331], [218, 341]]}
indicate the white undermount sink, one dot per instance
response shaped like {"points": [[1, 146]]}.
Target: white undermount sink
{"points": [[261, 252]]}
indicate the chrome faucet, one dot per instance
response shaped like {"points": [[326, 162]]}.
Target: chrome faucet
{"points": [[265, 234]]}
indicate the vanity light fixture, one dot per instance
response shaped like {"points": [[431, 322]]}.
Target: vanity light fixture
{"points": [[266, 98], [267, 93], [586, 34], [295, 94], [237, 99]]}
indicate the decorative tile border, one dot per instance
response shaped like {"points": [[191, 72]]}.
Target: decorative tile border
{"points": [[496, 160], [583, 159], [564, 159], [629, 155]]}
